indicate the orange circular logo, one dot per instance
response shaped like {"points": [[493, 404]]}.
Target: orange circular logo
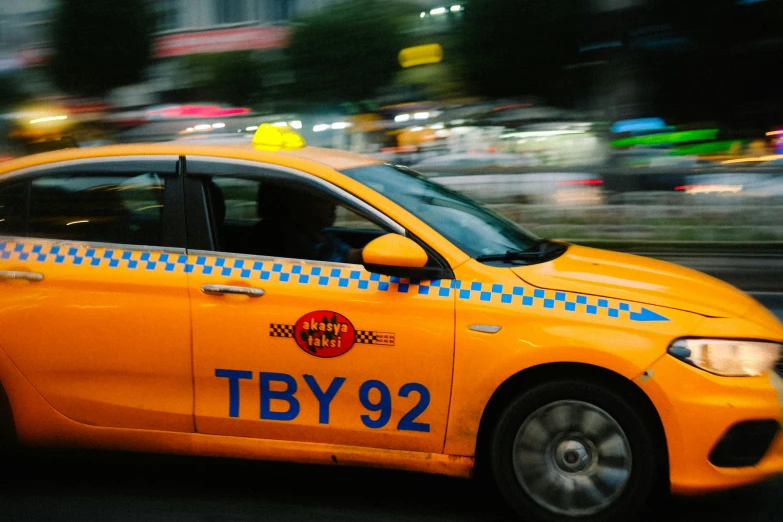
{"points": [[324, 334]]}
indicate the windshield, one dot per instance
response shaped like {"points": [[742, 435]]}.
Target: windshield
{"points": [[476, 230]]}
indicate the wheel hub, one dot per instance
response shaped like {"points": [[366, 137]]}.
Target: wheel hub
{"points": [[572, 456]]}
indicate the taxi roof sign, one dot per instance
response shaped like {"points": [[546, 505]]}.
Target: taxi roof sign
{"points": [[271, 137]]}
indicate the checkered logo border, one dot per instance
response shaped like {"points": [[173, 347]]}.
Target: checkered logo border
{"points": [[370, 337], [362, 336], [281, 330]]}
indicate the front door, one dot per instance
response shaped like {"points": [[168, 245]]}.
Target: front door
{"points": [[303, 349]]}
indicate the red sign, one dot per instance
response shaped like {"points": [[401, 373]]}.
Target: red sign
{"points": [[324, 334], [195, 111], [239, 39]]}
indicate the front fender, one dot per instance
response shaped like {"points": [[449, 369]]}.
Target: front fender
{"points": [[483, 362]]}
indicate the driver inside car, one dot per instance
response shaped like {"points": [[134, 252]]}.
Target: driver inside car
{"points": [[295, 224]]}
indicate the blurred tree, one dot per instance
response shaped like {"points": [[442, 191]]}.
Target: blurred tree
{"points": [[348, 49], [100, 44], [522, 47], [728, 70], [235, 77], [10, 91]]}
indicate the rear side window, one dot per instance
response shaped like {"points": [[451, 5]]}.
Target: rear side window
{"points": [[107, 209], [12, 209]]}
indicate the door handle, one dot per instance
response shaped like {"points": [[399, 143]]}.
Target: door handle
{"points": [[227, 289], [15, 274]]}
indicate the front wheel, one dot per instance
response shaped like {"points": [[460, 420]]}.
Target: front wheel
{"points": [[573, 450]]}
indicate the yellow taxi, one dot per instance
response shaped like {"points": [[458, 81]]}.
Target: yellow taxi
{"points": [[283, 302]]}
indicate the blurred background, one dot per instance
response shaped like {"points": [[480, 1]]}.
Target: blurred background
{"points": [[648, 124]]}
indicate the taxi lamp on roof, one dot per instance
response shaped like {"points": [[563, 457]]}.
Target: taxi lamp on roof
{"points": [[396, 255], [272, 138]]}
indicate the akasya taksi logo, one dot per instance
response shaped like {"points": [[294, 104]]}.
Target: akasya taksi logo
{"points": [[324, 333]]}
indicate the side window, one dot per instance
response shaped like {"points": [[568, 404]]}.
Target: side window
{"points": [[280, 219], [114, 208], [12, 208]]}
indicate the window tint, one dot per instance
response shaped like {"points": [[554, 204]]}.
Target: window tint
{"points": [[239, 196], [12, 208], [278, 10], [229, 11], [108, 209], [282, 219], [475, 230]]}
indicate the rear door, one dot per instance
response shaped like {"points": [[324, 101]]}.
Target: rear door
{"points": [[94, 305]]}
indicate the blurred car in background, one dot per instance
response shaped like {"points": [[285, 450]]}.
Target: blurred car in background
{"points": [[531, 187], [474, 160], [506, 178], [748, 184]]}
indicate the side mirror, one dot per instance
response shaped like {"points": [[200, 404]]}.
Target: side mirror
{"points": [[396, 255]]}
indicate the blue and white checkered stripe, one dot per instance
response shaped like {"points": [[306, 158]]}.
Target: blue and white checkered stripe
{"points": [[528, 296], [310, 274]]}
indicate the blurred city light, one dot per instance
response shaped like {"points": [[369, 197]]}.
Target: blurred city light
{"points": [[195, 111], [631, 97], [666, 138], [420, 55], [638, 125], [710, 189], [580, 182], [49, 118]]}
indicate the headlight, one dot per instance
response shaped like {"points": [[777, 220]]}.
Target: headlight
{"points": [[727, 357]]}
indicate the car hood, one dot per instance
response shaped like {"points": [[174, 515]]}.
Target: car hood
{"points": [[640, 279]]}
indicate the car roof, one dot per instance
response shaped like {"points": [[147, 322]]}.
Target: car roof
{"points": [[334, 159]]}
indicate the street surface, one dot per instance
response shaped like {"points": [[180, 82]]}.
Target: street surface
{"points": [[44, 485]]}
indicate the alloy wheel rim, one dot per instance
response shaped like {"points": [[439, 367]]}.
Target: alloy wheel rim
{"points": [[572, 458]]}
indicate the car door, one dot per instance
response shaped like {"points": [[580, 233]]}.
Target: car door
{"points": [[94, 307], [301, 349]]}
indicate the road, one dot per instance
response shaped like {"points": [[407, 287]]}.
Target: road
{"points": [[81, 486], [78, 486]]}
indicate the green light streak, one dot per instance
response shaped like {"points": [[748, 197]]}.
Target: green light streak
{"points": [[704, 148], [667, 138]]}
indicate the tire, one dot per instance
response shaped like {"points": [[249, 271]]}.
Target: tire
{"points": [[574, 450], [8, 442]]}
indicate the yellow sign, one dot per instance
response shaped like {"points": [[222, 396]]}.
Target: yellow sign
{"points": [[269, 137], [420, 55]]}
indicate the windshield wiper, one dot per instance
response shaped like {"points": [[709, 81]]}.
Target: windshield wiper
{"points": [[546, 248]]}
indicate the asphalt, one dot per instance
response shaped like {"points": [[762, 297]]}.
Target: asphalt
{"points": [[90, 486]]}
